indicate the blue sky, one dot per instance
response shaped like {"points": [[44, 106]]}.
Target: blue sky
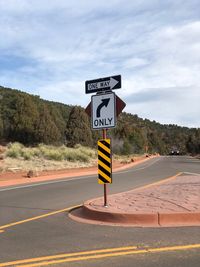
{"points": [[49, 48]]}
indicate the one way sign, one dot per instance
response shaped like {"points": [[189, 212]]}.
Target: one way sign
{"points": [[103, 111], [103, 84]]}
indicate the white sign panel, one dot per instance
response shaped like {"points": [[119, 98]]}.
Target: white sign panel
{"points": [[103, 111]]}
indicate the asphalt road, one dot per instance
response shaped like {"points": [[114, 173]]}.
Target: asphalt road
{"points": [[68, 243]]}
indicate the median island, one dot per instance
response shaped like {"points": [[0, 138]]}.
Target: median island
{"points": [[173, 202]]}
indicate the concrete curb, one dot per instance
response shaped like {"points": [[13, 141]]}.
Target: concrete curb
{"points": [[180, 219], [87, 214]]}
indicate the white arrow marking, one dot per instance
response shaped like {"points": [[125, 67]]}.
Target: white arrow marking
{"points": [[113, 82]]}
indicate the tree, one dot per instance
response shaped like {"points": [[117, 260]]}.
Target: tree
{"points": [[126, 149], [28, 119], [24, 120], [1, 127], [136, 140], [78, 129], [47, 131], [59, 121]]}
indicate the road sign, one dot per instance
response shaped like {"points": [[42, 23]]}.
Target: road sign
{"points": [[104, 162], [120, 105], [103, 111], [103, 84]]}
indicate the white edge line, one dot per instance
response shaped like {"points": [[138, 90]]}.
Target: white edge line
{"points": [[45, 183], [138, 169]]}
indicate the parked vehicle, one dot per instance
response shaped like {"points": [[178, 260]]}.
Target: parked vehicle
{"points": [[174, 152]]}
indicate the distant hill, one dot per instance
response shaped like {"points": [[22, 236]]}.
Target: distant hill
{"points": [[30, 120]]}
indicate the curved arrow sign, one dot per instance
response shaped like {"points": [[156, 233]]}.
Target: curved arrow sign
{"points": [[104, 103], [103, 111]]}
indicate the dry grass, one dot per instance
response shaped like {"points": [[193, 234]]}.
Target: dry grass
{"points": [[20, 158], [39, 165], [42, 158]]}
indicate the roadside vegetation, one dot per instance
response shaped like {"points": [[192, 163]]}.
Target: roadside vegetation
{"points": [[30, 120], [57, 153], [17, 157]]}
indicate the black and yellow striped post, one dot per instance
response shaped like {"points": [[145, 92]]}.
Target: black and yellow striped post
{"points": [[104, 162]]}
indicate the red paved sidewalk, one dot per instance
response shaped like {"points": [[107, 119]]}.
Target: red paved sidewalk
{"points": [[174, 202]]}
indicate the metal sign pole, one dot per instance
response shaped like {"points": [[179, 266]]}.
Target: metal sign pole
{"points": [[105, 185], [103, 109]]}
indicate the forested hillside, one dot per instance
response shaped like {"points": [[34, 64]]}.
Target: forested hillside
{"points": [[30, 120]]}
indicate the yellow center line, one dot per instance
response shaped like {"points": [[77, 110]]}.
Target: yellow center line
{"points": [[103, 255], [45, 258], [38, 217]]}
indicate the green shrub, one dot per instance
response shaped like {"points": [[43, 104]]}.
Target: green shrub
{"points": [[14, 150], [27, 153], [79, 153], [12, 154], [83, 158], [74, 155], [87, 151], [54, 155], [70, 154]]}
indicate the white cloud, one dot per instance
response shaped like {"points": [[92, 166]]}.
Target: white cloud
{"points": [[60, 44], [134, 62], [69, 92], [167, 105]]}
